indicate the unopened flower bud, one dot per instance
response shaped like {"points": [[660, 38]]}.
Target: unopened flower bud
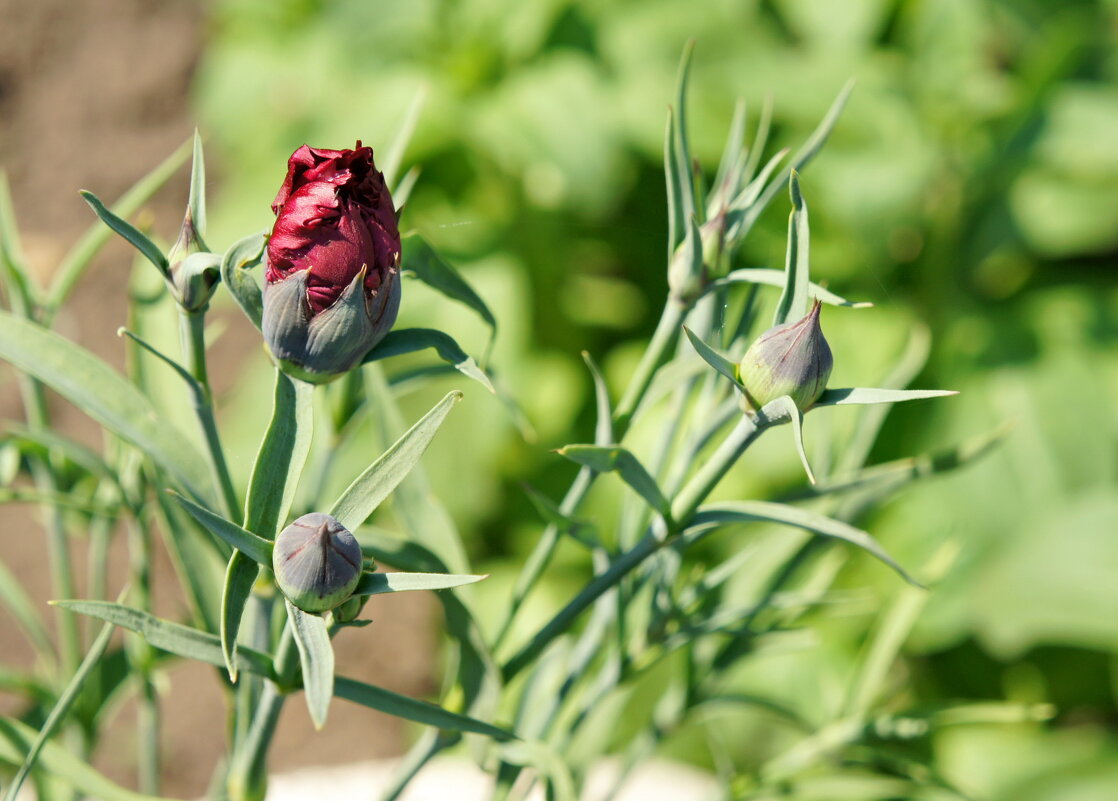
{"points": [[350, 608], [791, 359], [332, 281], [317, 562], [193, 273]]}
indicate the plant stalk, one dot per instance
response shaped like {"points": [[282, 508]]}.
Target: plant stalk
{"points": [[192, 336]]}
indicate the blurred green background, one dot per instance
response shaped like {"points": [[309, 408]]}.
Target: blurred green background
{"points": [[971, 185]]}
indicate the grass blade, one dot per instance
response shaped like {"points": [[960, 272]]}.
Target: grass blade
{"points": [[128, 231], [862, 395]]}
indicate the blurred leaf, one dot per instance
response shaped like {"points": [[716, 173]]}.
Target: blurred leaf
{"points": [[377, 583], [128, 231], [256, 548], [60, 709], [378, 480], [16, 738], [626, 465], [410, 709], [547, 761], [104, 395], [390, 164], [316, 656], [23, 612], [169, 636], [14, 278], [603, 427], [409, 340]]}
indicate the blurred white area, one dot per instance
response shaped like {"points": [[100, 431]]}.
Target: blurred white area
{"points": [[459, 779]]}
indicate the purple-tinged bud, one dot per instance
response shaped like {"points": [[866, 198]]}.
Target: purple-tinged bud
{"points": [[332, 280], [193, 273], [792, 359], [317, 562]]}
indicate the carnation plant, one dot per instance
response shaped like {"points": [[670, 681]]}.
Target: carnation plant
{"points": [[739, 353]]}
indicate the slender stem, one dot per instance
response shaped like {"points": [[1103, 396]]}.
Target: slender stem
{"points": [[683, 509], [247, 780], [192, 336], [148, 733], [659, 349], [427, 746]]}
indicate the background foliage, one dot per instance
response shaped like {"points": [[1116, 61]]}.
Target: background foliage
{"points": [[972, 185]]}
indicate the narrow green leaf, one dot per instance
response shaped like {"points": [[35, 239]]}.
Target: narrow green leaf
{"points": [[390, 164], [793, 301], [17, 737], [552, 515], [784, 409], [103, 394], [242, 256], [718, 514], [409, 340], [44, 440], [429, 267], [168, 636], [713, 357], [862, 395], [401, 706], [402, 191], [812, 146], [240, 575], [732, 163], [199, 562], [603, 427], [14, 277], [764, 275], [761, 138], [23, 612], [627, 466], [256, 548], [368, 490], [128, 231], [316, 656], [197, 197], [377, 583], [547, 761], [279, 464], [81, 254], [181, 371], [61, 707], [676, 217], [683, 162]]}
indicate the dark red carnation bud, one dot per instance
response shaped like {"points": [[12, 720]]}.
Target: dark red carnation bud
{"points": [[333, 277]]}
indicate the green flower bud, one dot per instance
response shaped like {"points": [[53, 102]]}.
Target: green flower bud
{"points": [[791, 359], [194, 273], [317, 562], [350, 608]]}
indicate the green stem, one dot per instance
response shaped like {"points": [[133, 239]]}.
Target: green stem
{"points": [[659, 350], [247, 779], [192, 335]]}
